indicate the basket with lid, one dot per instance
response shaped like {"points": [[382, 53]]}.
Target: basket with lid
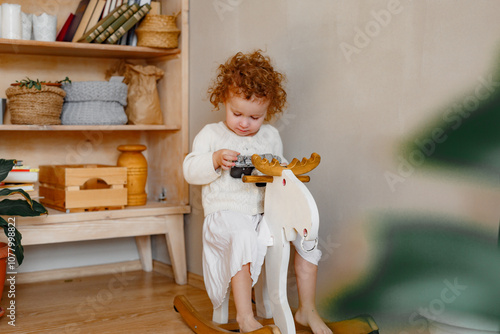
{"points": [[158, 31]]}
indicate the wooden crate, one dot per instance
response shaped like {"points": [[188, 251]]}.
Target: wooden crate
{"points": [[76, 188]]}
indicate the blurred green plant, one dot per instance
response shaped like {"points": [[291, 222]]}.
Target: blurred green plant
{"points": [[421, 262], [15, 207]]}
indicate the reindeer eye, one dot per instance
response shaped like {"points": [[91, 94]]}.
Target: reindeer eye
{"points": [[284, 182]]}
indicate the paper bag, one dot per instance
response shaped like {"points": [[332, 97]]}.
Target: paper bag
{"points": [[143, 101]]}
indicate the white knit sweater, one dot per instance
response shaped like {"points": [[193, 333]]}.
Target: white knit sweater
{"points": [[220, 191]]}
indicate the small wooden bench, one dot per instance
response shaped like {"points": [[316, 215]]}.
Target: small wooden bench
{"points": [[140, 222]]}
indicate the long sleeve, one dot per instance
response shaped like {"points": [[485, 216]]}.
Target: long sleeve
{"points": [[198, 165]]}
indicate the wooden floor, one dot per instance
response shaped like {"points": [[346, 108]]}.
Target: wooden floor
{"points": [[126, 302]]}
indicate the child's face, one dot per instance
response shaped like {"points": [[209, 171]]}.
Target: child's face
{"points": [[244, 117]]}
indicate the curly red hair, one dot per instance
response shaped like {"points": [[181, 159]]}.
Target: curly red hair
{"points": [[249, 75]]}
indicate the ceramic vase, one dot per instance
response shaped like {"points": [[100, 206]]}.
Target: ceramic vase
{"points": [[44, 27], [137, 172], [11, 21], [26, 26]]}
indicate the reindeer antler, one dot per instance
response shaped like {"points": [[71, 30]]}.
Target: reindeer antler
{"points": [[306, 165], [274, 168]]}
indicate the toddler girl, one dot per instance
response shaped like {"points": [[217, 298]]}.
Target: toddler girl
{"points": [[234, 240]]}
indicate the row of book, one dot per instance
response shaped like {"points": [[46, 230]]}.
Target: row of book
{"points": [[106, 21], [21, 177]]}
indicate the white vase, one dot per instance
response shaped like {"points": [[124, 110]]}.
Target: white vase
{"points": [[27, 26], [44, 27], [11, 21]]}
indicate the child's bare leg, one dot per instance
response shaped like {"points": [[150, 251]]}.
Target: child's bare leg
{"points": [[241, 284], [307, 314]]}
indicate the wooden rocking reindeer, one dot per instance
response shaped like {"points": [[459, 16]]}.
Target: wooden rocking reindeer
{"points": [[289, 209]]}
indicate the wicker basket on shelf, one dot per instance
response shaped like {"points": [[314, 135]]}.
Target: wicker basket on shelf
{"points": [[158, 31], [33, 106]]}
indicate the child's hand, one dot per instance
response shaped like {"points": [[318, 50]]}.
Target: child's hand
{"points": [[224, 158]]}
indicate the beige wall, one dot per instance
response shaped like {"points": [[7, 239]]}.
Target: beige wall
{"points": [[357, 108], [361, 82]]}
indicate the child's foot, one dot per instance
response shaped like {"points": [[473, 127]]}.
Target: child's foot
{"points": [[310, 318], [248, 324]]}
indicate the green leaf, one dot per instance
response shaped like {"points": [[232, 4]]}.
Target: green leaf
{"points": [[15, 240], [22, 208], [5, 168], [7, 192], [65, 80]]}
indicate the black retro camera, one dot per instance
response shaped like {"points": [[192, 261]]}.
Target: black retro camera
{"points": [[244, 166]]}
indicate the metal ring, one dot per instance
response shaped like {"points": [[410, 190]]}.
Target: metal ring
{"points": [[310, 250]]}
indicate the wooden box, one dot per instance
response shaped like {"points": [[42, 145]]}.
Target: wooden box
{"points": [[76, 188]]}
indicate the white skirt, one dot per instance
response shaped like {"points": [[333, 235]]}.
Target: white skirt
{"points": [[231, 240]]}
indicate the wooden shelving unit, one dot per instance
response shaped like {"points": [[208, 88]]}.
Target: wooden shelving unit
{"points": [[20, 127], [91, 50], [69, 144]]}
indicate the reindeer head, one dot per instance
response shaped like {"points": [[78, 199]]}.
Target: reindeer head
{"points": [[288, 204]]}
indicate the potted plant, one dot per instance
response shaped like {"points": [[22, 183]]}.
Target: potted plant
{"points": [[30, 83], [36, 102], [25, 207]]}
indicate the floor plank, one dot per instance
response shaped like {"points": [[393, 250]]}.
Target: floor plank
{"points": [[124, 302]]}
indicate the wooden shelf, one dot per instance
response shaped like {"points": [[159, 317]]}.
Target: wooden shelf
{"points": [[151, 209], [68, 49], [19, 127]]}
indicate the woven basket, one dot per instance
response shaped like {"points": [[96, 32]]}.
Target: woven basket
{"points": [[158, 31], [33, 106]]}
